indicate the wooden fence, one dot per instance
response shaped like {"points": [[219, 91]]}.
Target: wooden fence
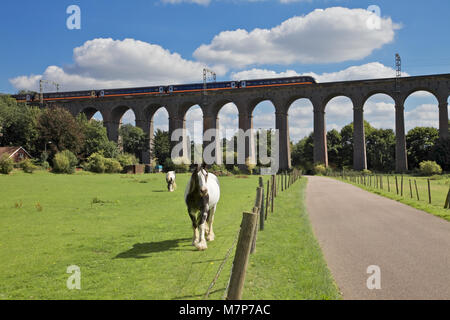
{"points": [[252, 223], [404, 188]]}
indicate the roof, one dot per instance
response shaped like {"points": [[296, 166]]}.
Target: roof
{"points": [[12, 150]]}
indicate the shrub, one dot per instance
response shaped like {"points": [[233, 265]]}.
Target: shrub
{"points": [[235, 170], [112, 166], [62, 163], [6, 164], [366, 172], [181, 165], [249, 165], [126, 159], [428, 168], [96, 163], [320, 169], [27, 166]]}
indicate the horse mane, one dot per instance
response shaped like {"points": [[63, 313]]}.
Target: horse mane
{"points": [[194, 177]]}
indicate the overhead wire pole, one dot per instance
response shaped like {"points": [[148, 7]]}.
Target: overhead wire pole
{"points": [[398, 65]]}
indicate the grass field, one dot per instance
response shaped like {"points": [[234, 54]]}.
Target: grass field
{"points": [[132, 240], [439, 187]]}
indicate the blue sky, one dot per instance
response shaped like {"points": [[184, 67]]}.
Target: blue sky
{"points": [[171, 40]]}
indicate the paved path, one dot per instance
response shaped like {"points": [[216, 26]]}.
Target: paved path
{"points": [[357, 229]]}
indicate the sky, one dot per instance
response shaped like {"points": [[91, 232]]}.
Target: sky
{"points": [[142, 42]]}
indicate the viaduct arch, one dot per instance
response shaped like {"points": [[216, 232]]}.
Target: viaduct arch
{"points": [[144, 107]]}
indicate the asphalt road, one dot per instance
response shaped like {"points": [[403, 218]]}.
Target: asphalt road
{"points": [[357, 229]]}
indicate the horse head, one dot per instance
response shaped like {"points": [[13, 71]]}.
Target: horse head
{"points": [[201, 179]]}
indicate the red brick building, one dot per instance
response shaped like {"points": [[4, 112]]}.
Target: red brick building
{"points": [[16, 153]]}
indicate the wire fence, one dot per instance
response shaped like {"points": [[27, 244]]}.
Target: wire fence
{"points": [[246, 237], [408, 187]]}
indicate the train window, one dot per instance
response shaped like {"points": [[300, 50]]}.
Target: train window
{"points": [[102, 93], [243, 84], [170, 88], [161, 89], [233, 84], [28, 97]]}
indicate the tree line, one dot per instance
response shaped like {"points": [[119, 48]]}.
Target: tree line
{"points": [[44, 132], [422, 144]]}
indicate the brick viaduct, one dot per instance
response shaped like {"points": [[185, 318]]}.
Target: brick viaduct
{"points": [[177, 104]]}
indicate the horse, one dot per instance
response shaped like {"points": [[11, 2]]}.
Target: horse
{"points": [[170, 179], [201, 196]]}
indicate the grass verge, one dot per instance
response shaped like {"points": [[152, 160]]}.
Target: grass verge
{"points": [[439, 189], [288, 263]]}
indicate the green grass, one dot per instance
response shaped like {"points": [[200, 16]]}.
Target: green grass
{"points": [[288, 262], [132, 240], [129, 236], [439, 186]]}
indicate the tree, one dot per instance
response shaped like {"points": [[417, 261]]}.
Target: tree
{"points": [[441, 153], [57, 125], [133, 139], [161, 146], [18, 124], [334, 146], [380, 146], [95, 138], [419, 144]]}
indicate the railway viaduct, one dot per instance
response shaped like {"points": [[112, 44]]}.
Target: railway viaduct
{"points": [[144, 108]]}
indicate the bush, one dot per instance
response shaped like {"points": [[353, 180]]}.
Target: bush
{"points": [[6, 164], [250, 166], [126, 159], [112, 166], [366, 172], [63, 164], [181, 165], [27, 166], [236, 170], [320, 169], [428, 168], [96, 163]]}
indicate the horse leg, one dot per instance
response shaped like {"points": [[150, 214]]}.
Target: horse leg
{"points": [[195, 228], [211, 236], [201, 245]]}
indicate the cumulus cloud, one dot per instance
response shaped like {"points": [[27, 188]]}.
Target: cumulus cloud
{"points": [[108, 63], [323, 36]]}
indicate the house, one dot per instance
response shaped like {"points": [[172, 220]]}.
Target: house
{"points": [[16, 153]]}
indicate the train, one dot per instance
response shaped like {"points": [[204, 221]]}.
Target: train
{"points": [[166, 90]]}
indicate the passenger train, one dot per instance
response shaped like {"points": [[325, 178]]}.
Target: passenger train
{"points": [[165, 90]]}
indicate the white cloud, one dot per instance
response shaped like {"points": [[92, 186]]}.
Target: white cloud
{"points": [[323, 36], [108, 63]]}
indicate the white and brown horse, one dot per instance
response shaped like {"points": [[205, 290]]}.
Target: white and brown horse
{"points": [[170, 179], [201, 196]]}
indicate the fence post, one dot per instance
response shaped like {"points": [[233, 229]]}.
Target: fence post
{"points": [[447, 201], [257, 211], [429, 191], [389, 185], [417, 190], [272, 194], [396, 184], [410, 188], [402, 187], [267, 198], [240, 262], [262, 207]]}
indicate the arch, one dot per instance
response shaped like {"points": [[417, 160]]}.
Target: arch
{"points": [[301, 128], [421, 110], [333, 96], [254, 103], [300, 114], [193, 118], [160, 119], [340, 137], [379, 112], [228, 126], [92, 112], [123, 113]]}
